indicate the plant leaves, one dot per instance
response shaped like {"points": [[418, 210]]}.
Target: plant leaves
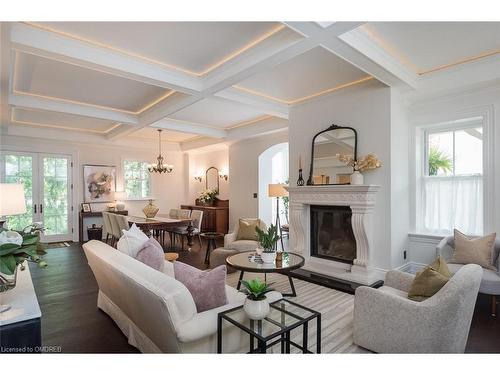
{"points": [[8, 248], [8, 264], [30, 239]]}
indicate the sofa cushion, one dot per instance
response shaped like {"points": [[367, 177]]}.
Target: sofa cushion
{"points": [[244, 245], [132, 241], [246, 229], [152, 255], [477, 250], [430, 280], [490, 282], [208, 288]]}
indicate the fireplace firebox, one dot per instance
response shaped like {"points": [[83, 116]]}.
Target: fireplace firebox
{"points": [[332, 236]]}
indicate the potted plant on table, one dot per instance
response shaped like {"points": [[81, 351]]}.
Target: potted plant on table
{"points": [[207, 196], [15, 248], [268, 240], [256, 305]]}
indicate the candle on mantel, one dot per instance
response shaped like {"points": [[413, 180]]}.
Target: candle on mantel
{"points": [[300, 161]]}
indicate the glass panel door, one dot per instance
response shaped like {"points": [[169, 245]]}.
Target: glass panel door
{"points": [[56, 198], [18, 169]]}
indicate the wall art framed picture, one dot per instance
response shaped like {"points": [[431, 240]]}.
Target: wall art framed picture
{"points": [[99, 183], [86, 207]]}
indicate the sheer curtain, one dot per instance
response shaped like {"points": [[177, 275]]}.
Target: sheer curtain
{"points": [[453, 202]]}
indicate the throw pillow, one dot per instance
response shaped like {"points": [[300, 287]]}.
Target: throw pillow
{"points": [[208, 288], [246, 230], [132, 241], [474, 250], [152, 255], [430, 280]]}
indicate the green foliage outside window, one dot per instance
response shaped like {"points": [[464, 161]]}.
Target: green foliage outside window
{"points": [[137, 179], [438, 160]]}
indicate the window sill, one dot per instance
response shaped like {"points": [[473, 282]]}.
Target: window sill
{"points": [[425, 237]]}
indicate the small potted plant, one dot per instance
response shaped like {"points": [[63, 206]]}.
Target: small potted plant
{"points": [[256, 305], [268, 240]]}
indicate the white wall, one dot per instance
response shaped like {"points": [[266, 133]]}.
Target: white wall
{"points": [[467, 103], [369, 109], [168, 190], [244, 174], [198, 163]]}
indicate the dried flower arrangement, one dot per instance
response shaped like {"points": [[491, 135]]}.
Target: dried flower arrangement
{"points": [[367, 162]]}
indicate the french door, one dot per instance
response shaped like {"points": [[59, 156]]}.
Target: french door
{"points": [[48, 191]]}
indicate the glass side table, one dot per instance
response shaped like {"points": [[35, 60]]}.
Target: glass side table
{"points": [[283, 318]]}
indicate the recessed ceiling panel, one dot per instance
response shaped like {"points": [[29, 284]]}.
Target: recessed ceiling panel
{"points": [[60, 120], [217, 112], [42, 76], [194, 46], [424, 46], [312, 72], [166, 135]]}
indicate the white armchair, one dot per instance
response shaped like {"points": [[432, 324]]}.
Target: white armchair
{"points": [[386, 321], [231, 242], [490, 282]]}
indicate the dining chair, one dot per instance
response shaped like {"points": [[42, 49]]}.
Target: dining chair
{"points": [[122, 223], [115, 230], [106, 227], [196, 217]]}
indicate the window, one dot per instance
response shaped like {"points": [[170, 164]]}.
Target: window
{"points": [[136, 179], [452, 180]]}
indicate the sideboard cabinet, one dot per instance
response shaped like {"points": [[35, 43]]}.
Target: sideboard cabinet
{"points": [[215, 218]]}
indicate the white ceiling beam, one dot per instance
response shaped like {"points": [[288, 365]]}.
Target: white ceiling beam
{"points": [[255, 101], [190, 128], [33, 40], [5, 68], [267, 126], [54, 105]]}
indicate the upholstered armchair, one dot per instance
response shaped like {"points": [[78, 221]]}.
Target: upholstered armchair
{"points": [[231, 242], [386, 321], [490, 283]]}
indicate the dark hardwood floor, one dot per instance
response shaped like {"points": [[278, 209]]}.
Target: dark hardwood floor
{"points": [[67, 293]]}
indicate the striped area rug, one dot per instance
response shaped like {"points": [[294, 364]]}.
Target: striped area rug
{"points": [[336, 310]]}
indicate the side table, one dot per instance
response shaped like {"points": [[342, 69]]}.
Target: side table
{"points": [[211, 243]]}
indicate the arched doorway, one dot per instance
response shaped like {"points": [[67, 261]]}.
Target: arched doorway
{"points": [[273, 168]]}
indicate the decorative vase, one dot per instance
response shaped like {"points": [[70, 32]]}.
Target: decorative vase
{"points": [[120, 206], [7, 282], [279, 256], [150, 210], [357, 178], [256, 310], [268, 257]]}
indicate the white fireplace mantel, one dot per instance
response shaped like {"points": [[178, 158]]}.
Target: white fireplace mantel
{"points": [[360, 198]]}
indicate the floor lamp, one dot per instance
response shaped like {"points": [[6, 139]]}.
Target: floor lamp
{"points": [[277, 191]]}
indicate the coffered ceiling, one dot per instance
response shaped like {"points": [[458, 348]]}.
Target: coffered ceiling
{"points": [[218, 80]]}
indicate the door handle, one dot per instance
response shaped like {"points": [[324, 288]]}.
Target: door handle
{"points": [[41, 208], [34, 208]]}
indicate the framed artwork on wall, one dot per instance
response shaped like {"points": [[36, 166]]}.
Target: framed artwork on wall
{"points": [[99, 183]]}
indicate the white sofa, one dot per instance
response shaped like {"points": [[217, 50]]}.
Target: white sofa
{"points": [[386, 321], [154, 310], [230, 241]]}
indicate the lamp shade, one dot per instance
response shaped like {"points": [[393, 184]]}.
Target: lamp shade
{"points": [[277, 190], [120, 195], [12, 201]]}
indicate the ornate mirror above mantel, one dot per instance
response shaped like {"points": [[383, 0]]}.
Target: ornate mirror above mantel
{"points": [[327, 145], [212, 178]]}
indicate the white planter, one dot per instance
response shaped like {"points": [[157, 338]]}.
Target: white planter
{"points": [[256, 310], [268, 257], [357, 178]]}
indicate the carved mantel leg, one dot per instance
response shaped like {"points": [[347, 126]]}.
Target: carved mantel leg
{"points": [[360, 227], [297, 231]]}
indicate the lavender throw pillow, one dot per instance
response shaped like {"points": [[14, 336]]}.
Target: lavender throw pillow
{"points": [[208, 288], [152, 255]]}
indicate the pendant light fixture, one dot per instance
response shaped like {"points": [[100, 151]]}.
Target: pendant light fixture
{"points": [[159, 167]]}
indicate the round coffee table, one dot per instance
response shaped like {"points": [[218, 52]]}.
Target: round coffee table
{"points": [[244, 262]]}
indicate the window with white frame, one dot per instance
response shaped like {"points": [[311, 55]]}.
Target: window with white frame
{"points": [[451, 187], [136, 179]]}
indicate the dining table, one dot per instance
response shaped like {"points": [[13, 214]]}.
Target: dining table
{"points": [[164, 222]]}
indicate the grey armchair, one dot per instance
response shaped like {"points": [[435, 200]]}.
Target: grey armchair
{"points": [[386, 321], [490, 283]]}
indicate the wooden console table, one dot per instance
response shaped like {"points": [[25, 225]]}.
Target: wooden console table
{"points": [[215, 218], [93, 214]]}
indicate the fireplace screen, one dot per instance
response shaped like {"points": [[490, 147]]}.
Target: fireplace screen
{"points": [[331, 233]]}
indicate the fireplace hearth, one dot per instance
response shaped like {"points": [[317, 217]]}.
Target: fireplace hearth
{"points": [[332, 236]]}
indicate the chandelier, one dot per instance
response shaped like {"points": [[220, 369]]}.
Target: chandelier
{"points": [[159, 167]]}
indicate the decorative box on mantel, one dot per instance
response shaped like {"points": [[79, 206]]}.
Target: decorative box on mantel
{"points": [[361, 201]]}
